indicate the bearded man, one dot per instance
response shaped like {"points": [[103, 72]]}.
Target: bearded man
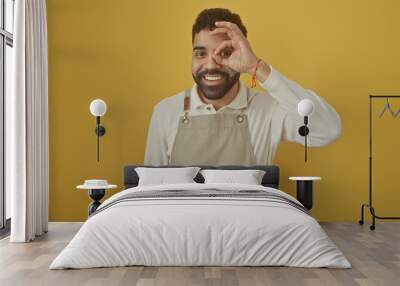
{"points": [[220, 121]]}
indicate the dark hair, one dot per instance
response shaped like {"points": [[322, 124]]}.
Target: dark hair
{"points": [[207, 18]]}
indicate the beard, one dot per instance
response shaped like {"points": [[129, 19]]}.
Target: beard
{"points": [[216, 91]]}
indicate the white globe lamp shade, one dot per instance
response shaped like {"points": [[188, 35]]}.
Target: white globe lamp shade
{"points": [[98, 107], [305, 107]]}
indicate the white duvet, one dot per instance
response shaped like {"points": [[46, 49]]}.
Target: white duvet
{"points": [[200, 231]]}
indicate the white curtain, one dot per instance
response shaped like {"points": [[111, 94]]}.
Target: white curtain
{"points": [[27, 124]]}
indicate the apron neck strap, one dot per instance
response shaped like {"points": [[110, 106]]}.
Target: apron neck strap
{"points": [[186, 106], [186, 101]]}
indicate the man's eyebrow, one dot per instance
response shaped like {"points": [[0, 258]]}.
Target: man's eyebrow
{"points": [[196, 48]]}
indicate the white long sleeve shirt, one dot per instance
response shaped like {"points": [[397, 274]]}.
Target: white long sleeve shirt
{"points": [[272, 116]]}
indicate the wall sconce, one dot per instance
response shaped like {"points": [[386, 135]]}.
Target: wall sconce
{"points": [[98, 108], [305, 108]]}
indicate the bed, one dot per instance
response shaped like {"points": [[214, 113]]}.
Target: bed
{"points": [[198, 224]]}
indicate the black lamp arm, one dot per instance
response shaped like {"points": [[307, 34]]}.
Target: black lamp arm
{"points": [[100, 131], [303, 131]]}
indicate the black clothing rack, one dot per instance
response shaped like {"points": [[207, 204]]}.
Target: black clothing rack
{"points": [[370, 205]]}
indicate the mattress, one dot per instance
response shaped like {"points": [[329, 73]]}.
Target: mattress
{"points": [[201, 225]]}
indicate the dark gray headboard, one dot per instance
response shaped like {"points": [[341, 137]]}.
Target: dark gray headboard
{"points": [[270, 179]]}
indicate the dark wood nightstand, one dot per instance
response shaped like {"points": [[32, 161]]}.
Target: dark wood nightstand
{"points": [[304, 190]]}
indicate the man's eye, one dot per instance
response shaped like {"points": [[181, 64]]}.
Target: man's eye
{"points": [[199, 54], [225, 53]]}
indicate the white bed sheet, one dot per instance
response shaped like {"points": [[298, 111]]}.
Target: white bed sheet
{"points": [[202, 232]]}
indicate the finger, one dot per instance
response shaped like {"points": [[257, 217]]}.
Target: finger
{"points": [[222, 30], [220, 60], [225, 44], [229, 25]]}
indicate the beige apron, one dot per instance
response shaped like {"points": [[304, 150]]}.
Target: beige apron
{"points": [[214, 139]]}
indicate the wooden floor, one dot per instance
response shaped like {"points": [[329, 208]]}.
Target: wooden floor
{"points": [[375, 257]]}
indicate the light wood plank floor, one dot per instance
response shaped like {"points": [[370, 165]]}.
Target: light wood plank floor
{"points": [[375, 257]]}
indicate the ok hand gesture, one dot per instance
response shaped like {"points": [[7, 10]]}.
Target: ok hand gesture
{"points": [[236, 52]]}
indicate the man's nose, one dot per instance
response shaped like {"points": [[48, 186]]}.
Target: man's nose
{"points": [[211, 63]]}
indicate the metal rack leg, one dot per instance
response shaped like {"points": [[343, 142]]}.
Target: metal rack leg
{"points": [[374, 216], [372, 210], [361, 221]]}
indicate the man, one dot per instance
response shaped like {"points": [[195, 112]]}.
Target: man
{"points": [[220, 121]]}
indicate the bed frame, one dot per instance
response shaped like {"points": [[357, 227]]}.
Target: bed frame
{"points": [[270, 179]]}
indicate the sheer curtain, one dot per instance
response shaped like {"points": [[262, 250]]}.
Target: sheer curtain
{"points": [[27, 124]]}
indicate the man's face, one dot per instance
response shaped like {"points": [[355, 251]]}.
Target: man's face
{"points": [[213, 80]]}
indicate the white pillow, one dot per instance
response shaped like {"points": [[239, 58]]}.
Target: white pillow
{"points": [[162, 176], [248, 177]]}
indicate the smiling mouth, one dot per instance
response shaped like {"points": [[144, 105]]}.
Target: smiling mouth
{"points": [[213, 79]]}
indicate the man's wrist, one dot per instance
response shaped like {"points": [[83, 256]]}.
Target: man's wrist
{"points": [[261, 68], [263, 71], [253, 66]]}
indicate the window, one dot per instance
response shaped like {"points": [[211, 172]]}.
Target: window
{"points": [[6, 60]]}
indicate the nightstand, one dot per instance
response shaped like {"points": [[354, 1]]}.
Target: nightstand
{"points": [[96, 190], [304, 186]]}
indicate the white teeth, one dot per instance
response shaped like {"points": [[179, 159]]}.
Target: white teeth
{"points": [[212, 77]]}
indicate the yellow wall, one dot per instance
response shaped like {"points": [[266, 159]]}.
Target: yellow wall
{"points": [[134, 53]]}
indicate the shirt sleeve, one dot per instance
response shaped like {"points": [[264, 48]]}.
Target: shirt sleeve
{"points": [[324, 123], [156, 148]]}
